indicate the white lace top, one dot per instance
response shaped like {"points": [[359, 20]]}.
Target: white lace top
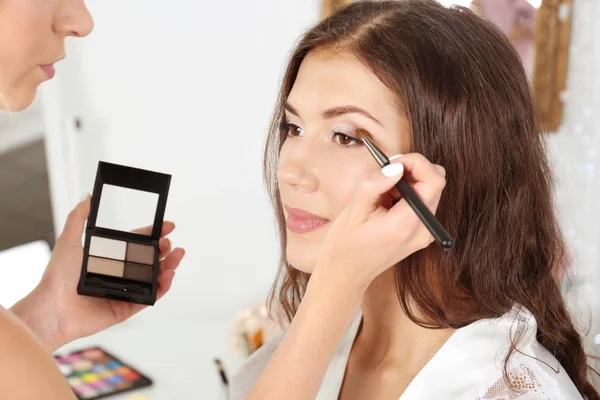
{"points": [[469, 366]]}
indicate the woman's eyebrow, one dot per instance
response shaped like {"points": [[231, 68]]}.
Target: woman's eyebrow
{"points": [[348, 109], [336, 112]]}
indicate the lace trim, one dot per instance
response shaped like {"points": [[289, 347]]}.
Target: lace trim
{"points": [[527, 382]]}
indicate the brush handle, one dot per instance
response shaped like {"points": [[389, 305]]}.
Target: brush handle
{"points": [[441, 236], [437, 230]]}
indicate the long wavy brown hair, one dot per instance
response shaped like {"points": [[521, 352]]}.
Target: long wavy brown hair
{"points": [[464, 91]]}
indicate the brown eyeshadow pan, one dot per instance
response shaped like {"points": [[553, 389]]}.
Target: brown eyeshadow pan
{"points": [[140, 253], [138, 272]]}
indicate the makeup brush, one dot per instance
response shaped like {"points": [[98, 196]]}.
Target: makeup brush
{"points": [[429, 220], [221, 371]]}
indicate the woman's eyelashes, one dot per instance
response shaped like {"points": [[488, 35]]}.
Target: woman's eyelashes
{"points": [[346, 140], [290, 129], [343, 139]]}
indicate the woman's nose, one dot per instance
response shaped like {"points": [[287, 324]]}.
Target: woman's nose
{"points": [[298, 169], [73, 19]]}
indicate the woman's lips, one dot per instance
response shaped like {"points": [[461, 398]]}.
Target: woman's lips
{"points": [[301, 221]]}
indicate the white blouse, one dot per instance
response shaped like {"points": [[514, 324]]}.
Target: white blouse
{"points": [[468, 366]]}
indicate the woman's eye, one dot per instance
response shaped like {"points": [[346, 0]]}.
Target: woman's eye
{"points": [[291, 129], [345, 140]]}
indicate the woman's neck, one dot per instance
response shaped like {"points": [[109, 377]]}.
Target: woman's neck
{"points": [[387, 336]]}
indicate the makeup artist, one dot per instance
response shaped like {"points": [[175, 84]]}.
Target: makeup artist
{"points": [[32, 39]]}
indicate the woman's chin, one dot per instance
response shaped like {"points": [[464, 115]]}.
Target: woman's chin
{"points": [[302, 260], [305, 267], [306, 270]]}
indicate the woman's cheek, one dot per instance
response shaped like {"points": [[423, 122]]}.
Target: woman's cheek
{"points": [[342, 184]]}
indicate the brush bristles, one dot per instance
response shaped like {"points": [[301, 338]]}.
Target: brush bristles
{"points": [[362, 134]]}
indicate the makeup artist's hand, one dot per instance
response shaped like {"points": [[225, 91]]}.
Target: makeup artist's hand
{"points": [[371, 235], [54, 310]]}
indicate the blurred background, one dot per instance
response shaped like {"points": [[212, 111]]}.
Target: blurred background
{"points": [[187, 88]]}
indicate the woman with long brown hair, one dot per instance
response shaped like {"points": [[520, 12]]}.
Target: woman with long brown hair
{"points": [[375, 310]]}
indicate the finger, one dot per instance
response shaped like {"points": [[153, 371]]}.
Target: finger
{"points": [[165, 280], [428, 186], [75, 223], [427, 179], [429, 192], [417, 168], [164, 246], [167, 228], [376, 185], [440, 170], [388, 200], [172, 261]]}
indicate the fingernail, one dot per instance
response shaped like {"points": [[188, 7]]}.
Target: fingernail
{"points": [[395, 157], [392, 170], [84, 197]]}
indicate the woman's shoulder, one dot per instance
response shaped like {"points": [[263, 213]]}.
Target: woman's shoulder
{"points": [[529, 378], [243, 381], [532, 372]]}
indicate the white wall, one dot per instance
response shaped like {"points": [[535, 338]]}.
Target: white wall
{"points": [[20, 129], [186, 88]]}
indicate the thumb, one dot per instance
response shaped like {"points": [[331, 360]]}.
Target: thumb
{"points": [[75, 223], [376, 185]]}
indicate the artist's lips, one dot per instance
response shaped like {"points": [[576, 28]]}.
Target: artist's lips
{"points": [[301, 221], [49, 69]]}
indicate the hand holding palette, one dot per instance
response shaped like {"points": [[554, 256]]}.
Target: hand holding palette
{"points": [[118, 264], [93, 374]]}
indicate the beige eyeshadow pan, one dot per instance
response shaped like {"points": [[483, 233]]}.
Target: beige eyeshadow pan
{"points": [[105, 267], [140, 253]]}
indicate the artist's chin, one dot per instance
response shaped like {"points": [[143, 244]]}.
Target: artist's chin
{"points": [[15, 103]]}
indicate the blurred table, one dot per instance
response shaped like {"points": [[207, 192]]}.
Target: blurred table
{"points": [[176, 354]]}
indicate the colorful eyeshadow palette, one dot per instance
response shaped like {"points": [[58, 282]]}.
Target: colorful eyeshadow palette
{"points": [[121, 265], [94, 374]]}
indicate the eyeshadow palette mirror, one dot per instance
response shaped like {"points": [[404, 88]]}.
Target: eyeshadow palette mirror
{"points": [[121, 263], [124, 209], [93, 373]]}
